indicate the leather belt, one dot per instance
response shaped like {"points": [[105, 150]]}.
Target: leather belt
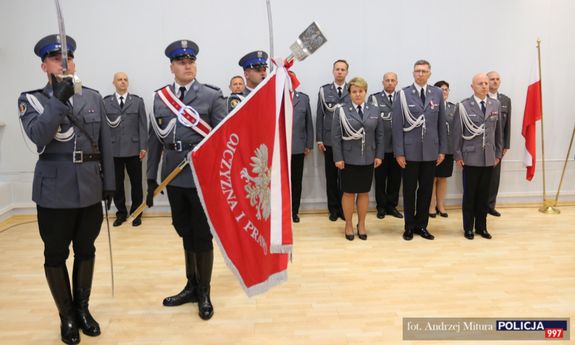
{"points": [[179, 146], [75, 157]]}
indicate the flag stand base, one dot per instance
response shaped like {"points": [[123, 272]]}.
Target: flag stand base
{"points": [[549, 207]]}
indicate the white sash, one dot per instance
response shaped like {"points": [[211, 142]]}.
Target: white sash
{"points": [[472, 128], [411, 120]]}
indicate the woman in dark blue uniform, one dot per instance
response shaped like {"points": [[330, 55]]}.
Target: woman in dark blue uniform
{"points": [[357, 133], [445, 169]]}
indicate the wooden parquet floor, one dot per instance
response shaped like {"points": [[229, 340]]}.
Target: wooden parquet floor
{"points": [[338, 292]]}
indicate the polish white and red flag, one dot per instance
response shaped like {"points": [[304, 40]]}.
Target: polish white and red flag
{"points": [[242, 172], [531, 115]]}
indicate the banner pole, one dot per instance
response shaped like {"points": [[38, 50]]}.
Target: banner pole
{"points": [[548, 205]]}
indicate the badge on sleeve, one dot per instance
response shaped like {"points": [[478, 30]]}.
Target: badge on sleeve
{"points": [[22, 108]]}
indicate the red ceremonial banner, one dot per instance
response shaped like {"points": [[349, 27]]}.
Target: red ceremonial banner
{"points": [[241, 170]]}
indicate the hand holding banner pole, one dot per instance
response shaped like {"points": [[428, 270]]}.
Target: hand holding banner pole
{"points": [[159, 189]]}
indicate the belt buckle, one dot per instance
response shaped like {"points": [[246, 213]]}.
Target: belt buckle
{"points": [[78, 157], [178, 145]]}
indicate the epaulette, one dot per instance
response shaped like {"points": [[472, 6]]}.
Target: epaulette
{"points": [[161, 88], [109, 96], [328, 84], [89, 88], [212, 87], [33, 91], [303, 94], [136, 96]]}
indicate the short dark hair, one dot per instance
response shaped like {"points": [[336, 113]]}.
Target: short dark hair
{"points": [[236, 77], [441, 83], [422, 62], [342, 61]]}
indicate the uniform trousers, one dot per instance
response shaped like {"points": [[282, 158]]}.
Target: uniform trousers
{"points": [[296, 179], [189, 219], [476, 182], [417, 189], [494, 185], [133, 166], [332, 183], [60, 226], [387, 183]]}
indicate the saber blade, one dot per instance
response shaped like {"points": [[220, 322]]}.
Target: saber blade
{"points": [[62, 34]]}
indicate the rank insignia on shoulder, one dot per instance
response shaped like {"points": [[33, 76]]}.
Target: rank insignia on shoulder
{"points": [[22, 108]]}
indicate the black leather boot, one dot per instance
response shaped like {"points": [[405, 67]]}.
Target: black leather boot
{"points": [[82, 280], [59, 284], [205, 262], [189, 293]]}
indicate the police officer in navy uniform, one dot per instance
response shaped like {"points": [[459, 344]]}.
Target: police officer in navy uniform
{"points": [[174, 140], [74, 172], [505, 119], [330, 96], [255, 65], [127, 119], [237, 87], [357, 137], [388, 174], [302, 144], [419, 144], [478, 148]]}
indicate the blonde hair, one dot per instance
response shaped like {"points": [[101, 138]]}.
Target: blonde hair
{"points": [[358, 82]]}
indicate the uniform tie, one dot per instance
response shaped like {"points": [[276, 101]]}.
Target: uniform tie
{"points": [[182, 93], [339, 91], [422, 95], [390, 99], [483, 107], [121, 102], [359, 111]]}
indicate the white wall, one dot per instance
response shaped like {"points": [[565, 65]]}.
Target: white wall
{"points": [[459, 38]]}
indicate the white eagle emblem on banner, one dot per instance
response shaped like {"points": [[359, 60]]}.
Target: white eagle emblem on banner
{"points": [[258, 186]]}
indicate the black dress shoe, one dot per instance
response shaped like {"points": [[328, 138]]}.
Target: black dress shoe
{"points": [[394, 213], [361, 236], [380, 214], [494, 212], [349, 237], [295, 218], [468, 234], [484, 234], [119, 221], [443, 214], [137, 222], [408, 234], [432, 215], [332, 217], [425, 234]]}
